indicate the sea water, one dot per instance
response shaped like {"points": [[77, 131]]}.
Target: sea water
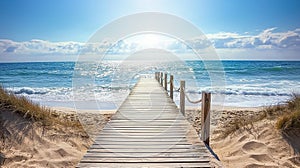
{"points": [[246, 83]]}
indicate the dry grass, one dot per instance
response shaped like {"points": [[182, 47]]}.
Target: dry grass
{"points": [[244, 122], [33, 111], [291, 118], [287, 116]]}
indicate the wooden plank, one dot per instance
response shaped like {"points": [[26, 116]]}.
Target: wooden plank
{"points": [[140, 143], [144, 165], [140, 132], [143, 160], [145, 146], [151, 128], [153, 122], [140, 139], [147, 155], [109, 131], [149, 125], [147, 131], [158, 150], [150, 154], [142, 123]]}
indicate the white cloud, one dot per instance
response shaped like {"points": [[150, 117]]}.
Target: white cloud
{"points": [[269, 41], [223, 35], [39, 47]]}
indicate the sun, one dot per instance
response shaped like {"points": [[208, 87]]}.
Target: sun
{"points": [[149, 40]]}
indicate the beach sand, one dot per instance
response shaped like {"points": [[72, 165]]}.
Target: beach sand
{"points": [[259, 144], [26, 145], [23, 143]]}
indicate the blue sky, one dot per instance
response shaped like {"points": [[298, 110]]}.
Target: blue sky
{"points": [[77, 20]]}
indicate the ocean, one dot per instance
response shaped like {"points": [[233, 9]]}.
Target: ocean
{"points": [[70, 84]]}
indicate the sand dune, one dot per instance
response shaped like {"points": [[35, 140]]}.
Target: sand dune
{"points": [[27, 144], [257, 145]]}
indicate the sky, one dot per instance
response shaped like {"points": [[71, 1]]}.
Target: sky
{"points": [[57, 30]]}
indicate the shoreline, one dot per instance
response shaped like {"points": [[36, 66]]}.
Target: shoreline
{"points": [[112, 111], [74, 110]]}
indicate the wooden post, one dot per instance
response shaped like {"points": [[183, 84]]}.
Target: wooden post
{"points": [[171, 86], [205, 117], [182, 97], [166, 81], [161, 78]]}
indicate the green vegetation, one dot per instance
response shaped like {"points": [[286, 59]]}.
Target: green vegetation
{"points": [[30, 110]]}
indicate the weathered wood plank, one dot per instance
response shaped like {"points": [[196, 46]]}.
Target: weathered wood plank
{"points": [[141, 139], [144, 165], [145, 146], [147, 131], [145, 155], [144, 160], [140, 143]]}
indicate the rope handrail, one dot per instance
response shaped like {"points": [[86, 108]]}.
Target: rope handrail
{"points": [[191, 101], [185, 94], [205, 100]]}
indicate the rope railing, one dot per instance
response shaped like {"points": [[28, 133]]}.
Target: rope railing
{"points": [[191, 101], [205, 101], [186, 95]]}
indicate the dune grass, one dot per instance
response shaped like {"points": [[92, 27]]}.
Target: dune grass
{"points": [[287, 117], [244, 122], [291, 118], [33, 111]]}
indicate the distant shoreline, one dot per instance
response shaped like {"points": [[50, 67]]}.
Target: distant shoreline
{"points": [[112, 111], [74, 61]]}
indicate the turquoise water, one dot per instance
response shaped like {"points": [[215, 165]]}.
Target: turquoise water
{"points": [[247, 83]]}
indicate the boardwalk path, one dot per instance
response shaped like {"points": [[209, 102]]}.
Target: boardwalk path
{"points": [[147, 131]]}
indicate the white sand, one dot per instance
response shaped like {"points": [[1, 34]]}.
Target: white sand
{"points": [[257, 145], [26, 145], [72, 110]]}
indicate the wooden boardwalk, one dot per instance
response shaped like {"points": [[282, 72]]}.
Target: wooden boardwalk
{"points": [[147, 131]]}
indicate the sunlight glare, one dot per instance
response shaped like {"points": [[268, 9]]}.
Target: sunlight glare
{"points": [[144, 41]]}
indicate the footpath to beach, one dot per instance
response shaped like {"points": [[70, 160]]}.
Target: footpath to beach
{"points": [[147, 131]]}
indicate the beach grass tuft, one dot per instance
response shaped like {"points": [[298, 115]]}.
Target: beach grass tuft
{"points": [[245, 122], [291, 118], [287, 117], [33, 111]]}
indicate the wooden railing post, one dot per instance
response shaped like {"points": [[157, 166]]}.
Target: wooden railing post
{"points": [[182, 97], [166, 81], [161, 78], [171, 86], [205, 117]]}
